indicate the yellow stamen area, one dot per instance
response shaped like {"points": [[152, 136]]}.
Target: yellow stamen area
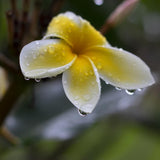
{"points": [[78, 33], [81, 72], [62, 27]]}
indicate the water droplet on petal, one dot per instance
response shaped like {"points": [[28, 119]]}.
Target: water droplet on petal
{"points": [[57, 21], [34, 56], [64, 82], [99, 66], [93, 83], [76, 97], [130, 92], [76, 102], [51, 49], [118, 88], [37, 79], [81, 113], [106, 82], [139, 89], [87, 97], [26, 78], [45, 50], [91, 73], [37, 42], [86, 73], [110, 74]]}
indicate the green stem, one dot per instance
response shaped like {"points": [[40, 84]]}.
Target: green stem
{"points": [[118, 15]]}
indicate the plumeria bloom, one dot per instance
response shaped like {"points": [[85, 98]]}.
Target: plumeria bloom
{"points": [[3, 82], [73, 47]]}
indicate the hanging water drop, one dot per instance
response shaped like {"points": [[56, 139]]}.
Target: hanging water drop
{"points": [[26, 78], [98, 2], [130, 92], [37, 79], [118, 88], [81, 113], [106, 82]]}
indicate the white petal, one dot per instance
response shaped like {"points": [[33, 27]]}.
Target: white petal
{"points": [[120, 68], [82, 85], [3, 82], [45, 58]]}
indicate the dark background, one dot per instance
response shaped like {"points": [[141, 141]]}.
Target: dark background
{"points": [[122, 127]]}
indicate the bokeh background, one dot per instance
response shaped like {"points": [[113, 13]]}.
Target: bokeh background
{"points": [[122, 127]]}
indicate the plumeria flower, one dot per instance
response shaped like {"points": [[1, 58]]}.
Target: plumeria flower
{"points": [[73, 47], [3, 82]]}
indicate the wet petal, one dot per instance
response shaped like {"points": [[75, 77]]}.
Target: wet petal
{"points": [[81, 84], [45, 58], [121, 68], [65, 26], [3, 82], [75, 31]]}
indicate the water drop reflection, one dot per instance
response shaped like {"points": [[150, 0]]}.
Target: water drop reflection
{"points": [[82, 113], [98, 2], [130, 92]]}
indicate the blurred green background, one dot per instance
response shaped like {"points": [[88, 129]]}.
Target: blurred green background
{"points": [[122, 127]]}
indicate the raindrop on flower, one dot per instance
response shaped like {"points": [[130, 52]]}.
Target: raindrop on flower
{"points": [[64, 82], [87, 97], [106, 82], [99, 66], [91, 73], [26, 78], [37, 42], [76, 97], [117, 88], [81, 113], [37, 80], [130, 92], [93, 83], [45, 50], [76, 102], [110, 74], [34, 56], [86, 73]]}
